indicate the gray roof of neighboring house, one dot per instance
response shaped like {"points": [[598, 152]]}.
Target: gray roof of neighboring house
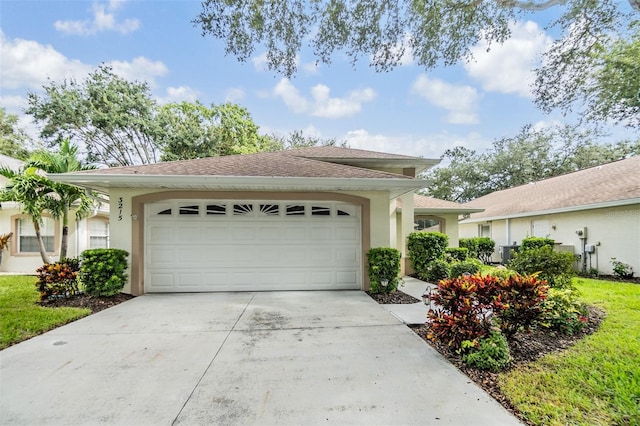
{"points": [[616, 183]]}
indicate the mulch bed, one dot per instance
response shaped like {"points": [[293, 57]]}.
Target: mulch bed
{"points": [[395, 298], [525, 347], [95, 304]]}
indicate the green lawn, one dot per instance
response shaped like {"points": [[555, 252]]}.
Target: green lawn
{"points": [[597, 381], [20, 315]]}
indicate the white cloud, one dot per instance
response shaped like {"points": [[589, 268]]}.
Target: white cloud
{"points": [[321, 104], [260, 62], [140, 69], [13, 103], [234, 94], [428, 146], [508, 68], [27, 63], [459, 101], [179, 94], [103, 19]]}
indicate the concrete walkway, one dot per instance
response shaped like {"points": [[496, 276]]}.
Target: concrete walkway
{"points": [[287, 358], [415, 313]]}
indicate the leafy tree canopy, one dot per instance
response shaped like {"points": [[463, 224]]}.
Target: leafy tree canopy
{"points": [[592, 55], [189, 130], [530, 156], [13, 140], [113, 117], [433, 32]]}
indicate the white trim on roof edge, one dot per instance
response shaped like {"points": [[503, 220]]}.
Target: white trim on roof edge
{"points": [[98, 182], [604, 205]]}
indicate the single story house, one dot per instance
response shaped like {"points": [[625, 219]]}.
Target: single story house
{"points": [[594, 213], [23, 255], [287, 220]]}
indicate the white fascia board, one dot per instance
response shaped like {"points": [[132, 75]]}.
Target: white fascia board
{"points": [[435, 210], [604, 205], [396, 187]]}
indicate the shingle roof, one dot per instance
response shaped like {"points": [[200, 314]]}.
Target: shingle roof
{"points": [[612, 182], [321, 152], [422, 202], [267, 164]]}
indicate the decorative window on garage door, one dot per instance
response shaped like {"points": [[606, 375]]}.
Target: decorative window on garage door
{"points": [[213, 210]]}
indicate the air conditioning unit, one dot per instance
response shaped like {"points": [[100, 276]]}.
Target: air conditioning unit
{"points": [[505, 253]]}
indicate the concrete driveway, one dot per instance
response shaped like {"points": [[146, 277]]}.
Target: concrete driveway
{"points": [[287, 358]]}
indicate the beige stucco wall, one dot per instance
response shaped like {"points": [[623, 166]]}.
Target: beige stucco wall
{"points": [[382, 231], [614, 231], [12, 261]]}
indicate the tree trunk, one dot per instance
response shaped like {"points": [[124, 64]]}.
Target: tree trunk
{"points": [[43, 250], [64, 243]]}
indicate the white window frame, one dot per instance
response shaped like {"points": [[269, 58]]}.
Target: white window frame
{"points": [[91, 234], [48, 229]]}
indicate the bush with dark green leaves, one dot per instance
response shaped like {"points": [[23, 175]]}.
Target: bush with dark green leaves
{"points": [[384, 264], [470, 267], [435, 271], [535, 242], [102, 271], [490, 352], [456, 254], [552, 266], [486, 247], [425, 247], [471, 244]]}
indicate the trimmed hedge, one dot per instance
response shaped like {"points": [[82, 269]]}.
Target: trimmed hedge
{"points": [[425, 247], [535, 242], [470, 244], [102, 271], [456, 254], [384, 264]]}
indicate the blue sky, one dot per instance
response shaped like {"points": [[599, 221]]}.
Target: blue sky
{"points": [[406, 111]]}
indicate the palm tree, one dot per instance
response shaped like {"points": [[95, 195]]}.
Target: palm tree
{"points": [[32, 191], [67, 196]]}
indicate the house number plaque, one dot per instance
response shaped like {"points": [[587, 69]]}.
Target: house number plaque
{"points": [[120, 203]]}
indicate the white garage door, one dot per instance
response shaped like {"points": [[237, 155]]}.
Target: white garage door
{"points": [[219, 245]]}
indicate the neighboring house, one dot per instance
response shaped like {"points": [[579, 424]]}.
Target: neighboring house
{"points": [[595, 213], [23, 254], [290, 220]]}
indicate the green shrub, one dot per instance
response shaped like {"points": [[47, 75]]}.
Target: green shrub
{"points": [[535, 242], [102, 271], [467, 267], [436, 271], [470, 244], [58, 280], [519, 303], [384, 264], [425, 247], [486, 247], [456, 254], [562, 312], [489, 353], [621, 269], [553, 266]]}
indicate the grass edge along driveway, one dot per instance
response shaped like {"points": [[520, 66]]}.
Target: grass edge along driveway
{"points": [[595, 382], [20, 315]]}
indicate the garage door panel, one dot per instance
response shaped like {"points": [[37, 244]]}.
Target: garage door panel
{"points": [[188, 234], [246, 233], [266, 251]]}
